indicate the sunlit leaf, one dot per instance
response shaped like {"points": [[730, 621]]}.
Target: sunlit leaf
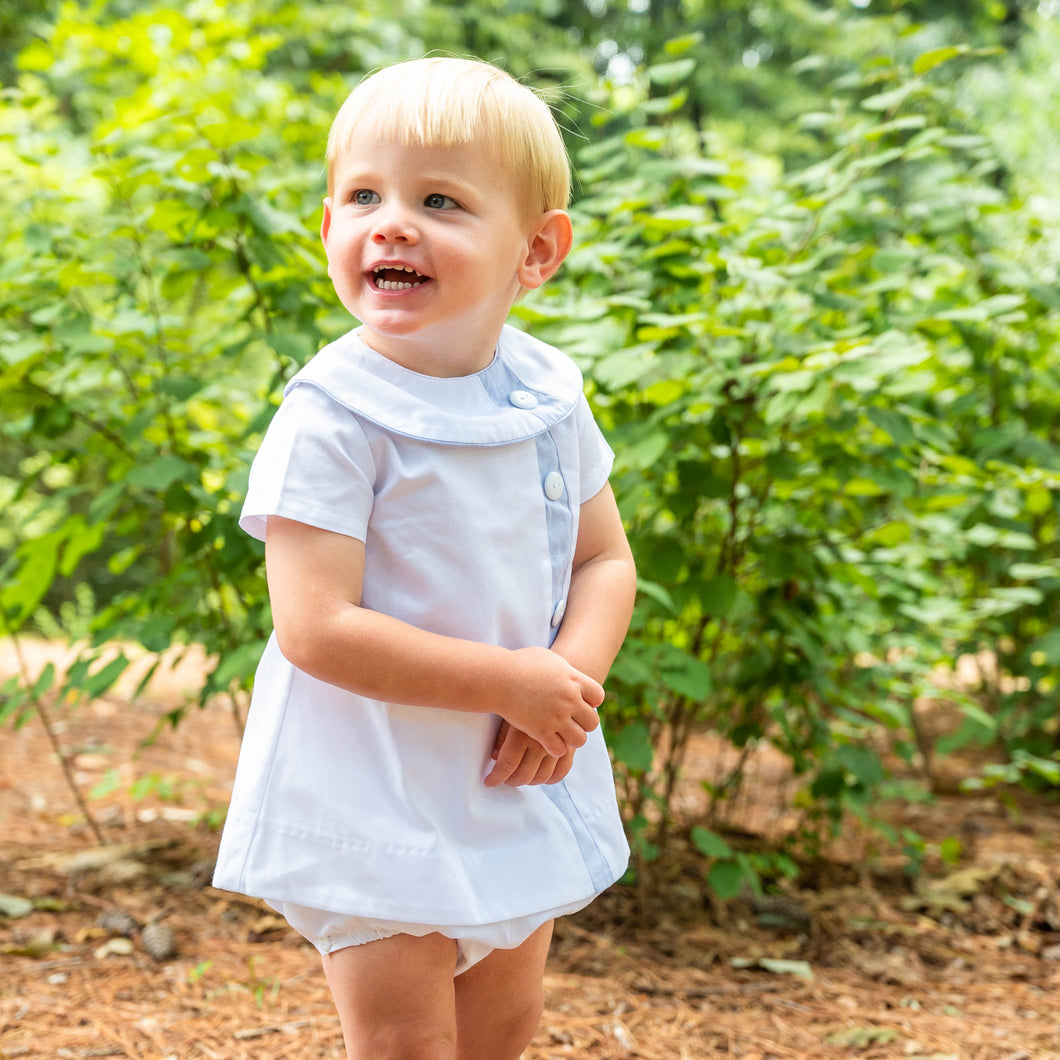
{"points": [[927, 61]]}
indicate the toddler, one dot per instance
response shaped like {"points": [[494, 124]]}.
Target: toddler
{"points": [[423, 785]]}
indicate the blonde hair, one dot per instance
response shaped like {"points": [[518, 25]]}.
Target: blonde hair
{"points": [[448, 102]]}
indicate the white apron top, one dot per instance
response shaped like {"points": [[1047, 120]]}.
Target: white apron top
{"points": [[466, 494]]}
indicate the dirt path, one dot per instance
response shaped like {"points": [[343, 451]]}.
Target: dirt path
{"points": [[968, 967]]}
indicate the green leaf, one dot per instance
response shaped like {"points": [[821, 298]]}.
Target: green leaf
{"points": [[181, 387], [889, 100], [726, 879], [718, 595], [664, 104], [888, 535], [631, 746], [618, 370], [687, 676], [45, 680], [679, 45], [236, 663], [985, 536], [13, 698], [83, 341], [1047, 769], [81, 540], [710, 844], [22, 350], [863, 764], [106, 502], [646, 137], [35, 574], [705, 482], [656, 592], [667, 73], [1034, 571], [95, 684], [109, 783], [894, 423], [270, 220], [936, 57], [645, 451], [159, 474]]}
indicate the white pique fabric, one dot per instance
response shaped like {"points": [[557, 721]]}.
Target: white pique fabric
{"points": [[466, 493]]}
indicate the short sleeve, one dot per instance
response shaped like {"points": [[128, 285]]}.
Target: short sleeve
{"points": [[314, 466], [596, 456]]}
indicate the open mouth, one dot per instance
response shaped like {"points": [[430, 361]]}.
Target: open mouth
{"points": [[396, 278]]}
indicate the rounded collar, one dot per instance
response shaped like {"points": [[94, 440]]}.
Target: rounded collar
{"points": [[526, 389]]}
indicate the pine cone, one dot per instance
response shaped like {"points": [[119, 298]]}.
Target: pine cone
{"points": [[159, 941], [201, 871], [118, 922]]}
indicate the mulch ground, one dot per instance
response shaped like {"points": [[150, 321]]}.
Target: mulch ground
{"points": [[964, 962]]}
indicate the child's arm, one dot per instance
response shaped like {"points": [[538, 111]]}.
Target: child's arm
{"points": [[315, 578], [599, 607]]}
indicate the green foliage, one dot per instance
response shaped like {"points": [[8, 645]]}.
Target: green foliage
{"points": [[833, 396], [814, 292], [153, 299]]}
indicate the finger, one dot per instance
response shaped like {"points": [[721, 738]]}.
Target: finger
{"points": [[498, 775], [556, 745], [575, 734], [508, 758], [502, 735], [562, 768], [533, 761], [592, 691], [553, 770], [586, 717], [545, 769], [579, 726]]}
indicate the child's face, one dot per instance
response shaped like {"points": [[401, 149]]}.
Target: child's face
{"points": [[426, 247]]}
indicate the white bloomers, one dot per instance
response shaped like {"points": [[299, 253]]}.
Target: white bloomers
{"points": [[335, 931]]}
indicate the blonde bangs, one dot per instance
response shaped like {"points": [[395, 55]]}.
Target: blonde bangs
{"points": [[453, 102]]}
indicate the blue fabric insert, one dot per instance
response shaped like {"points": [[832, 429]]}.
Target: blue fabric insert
{"points": [[499, 382], [595, 862], [559, 522]]}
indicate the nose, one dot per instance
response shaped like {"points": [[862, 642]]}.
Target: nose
{"points": [[394, 224]]}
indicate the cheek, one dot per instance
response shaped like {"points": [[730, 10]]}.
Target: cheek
{"points": [[341, 253]]}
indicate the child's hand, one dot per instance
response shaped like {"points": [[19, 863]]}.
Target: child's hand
{"points": [[551, 701], [520, 759]]}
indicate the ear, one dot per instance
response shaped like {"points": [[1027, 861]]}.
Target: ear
{"points": [[325, 224], [548, 244]]}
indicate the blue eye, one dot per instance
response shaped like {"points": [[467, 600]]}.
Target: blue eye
{"points": [[364, 197], [438, 201]]}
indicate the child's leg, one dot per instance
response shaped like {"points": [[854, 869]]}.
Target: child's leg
{"points": [[395, 997], [499, 1001]]}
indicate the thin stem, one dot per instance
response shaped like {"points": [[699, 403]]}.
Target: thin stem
{"points": [[49, 727]]}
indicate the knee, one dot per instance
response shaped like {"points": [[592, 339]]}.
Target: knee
{"points": [[527, 1021], [503, 1034], [402, 1043]]}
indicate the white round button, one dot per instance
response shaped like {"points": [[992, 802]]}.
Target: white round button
{"points": [[522, 399], [553, 485], [557, 615]]}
